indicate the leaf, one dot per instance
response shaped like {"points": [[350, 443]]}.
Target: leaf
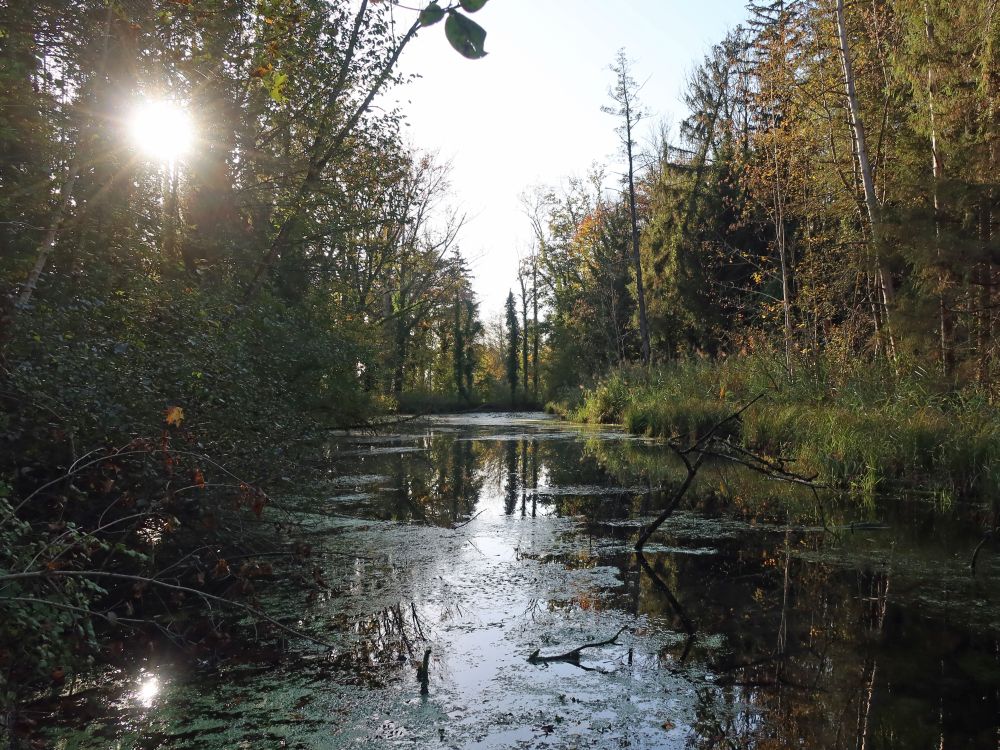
{"points": [[174, 416], [471, 6], [431, 14], [465, 35], [276, 87], [199, 479]]}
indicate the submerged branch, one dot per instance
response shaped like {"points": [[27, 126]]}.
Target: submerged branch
{"points": [[573, 656]]}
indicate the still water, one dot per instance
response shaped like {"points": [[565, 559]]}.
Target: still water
{"points": [[760, 616]]}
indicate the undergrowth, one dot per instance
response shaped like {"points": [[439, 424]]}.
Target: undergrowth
{"points": [[865, 427]]}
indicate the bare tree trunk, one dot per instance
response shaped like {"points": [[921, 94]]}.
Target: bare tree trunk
{"points": [[636, 258], [883, 278], [51, 235], [944, 322], [522, 279], [624, 94], [534, 326]]}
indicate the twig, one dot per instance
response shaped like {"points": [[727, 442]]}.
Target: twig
{"points": [[466, 523], [975, 553], [734, 453], [163, 584], [692, 470], [573, 657]]}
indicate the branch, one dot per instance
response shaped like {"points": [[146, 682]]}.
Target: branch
{"points": [[162, 584], [573, 657]]}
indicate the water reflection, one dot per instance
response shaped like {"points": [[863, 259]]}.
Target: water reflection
{"points": [[809, 636], [149, 688], [757, 618]]}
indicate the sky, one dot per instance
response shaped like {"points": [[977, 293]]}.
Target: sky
{"points": [[529, 113]]}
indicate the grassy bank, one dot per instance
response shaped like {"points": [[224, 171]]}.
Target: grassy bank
{"points": [[858, 427]]}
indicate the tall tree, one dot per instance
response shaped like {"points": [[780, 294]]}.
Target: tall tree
{"points": [[513, 345], [624, 92]]}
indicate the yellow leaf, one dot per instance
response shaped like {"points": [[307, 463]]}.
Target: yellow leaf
{"points": [[174, 416]]}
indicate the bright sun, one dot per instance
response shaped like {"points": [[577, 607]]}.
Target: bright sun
{"points": [[161, 130]]}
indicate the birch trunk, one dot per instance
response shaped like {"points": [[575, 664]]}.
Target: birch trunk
{"points": [[884, 279], [51, 235], [944, 322]]}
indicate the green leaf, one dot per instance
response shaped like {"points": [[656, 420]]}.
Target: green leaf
{"points": [[471, 6], [276, 87], [465, 35], [431, 14]]}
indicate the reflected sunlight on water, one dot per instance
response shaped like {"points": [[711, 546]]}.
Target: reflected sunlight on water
{"points": [[149, 688]]}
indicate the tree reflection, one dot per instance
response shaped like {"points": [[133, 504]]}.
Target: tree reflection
{"points": [[511, 484]]}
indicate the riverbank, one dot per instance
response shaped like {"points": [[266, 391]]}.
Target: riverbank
{"points": [[864, 429]]}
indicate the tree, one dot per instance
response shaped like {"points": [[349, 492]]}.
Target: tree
{"points": [[624, 93], [884, 279], [513, 346]]}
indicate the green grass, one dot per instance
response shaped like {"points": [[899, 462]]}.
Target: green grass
{"points": [[859, 427]]}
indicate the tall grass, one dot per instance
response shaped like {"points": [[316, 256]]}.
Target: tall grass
{"points": [[862, 427]]}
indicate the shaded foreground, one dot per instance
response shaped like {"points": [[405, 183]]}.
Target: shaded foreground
{"points": [[487, 538]]}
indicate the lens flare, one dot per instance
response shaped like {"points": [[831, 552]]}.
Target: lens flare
{"points": [[161, 130]]}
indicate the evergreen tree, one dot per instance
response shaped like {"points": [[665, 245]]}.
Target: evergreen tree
{"points": [[513, 346]]}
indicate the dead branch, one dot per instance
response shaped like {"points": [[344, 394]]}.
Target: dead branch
{"points": [[710, 445], [988, 536], [163, 584], [573, 656]]}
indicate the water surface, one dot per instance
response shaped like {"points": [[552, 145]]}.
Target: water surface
{"points": [[760, 616]]}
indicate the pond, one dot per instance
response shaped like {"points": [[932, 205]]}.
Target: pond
{"points": [[761, 616]]}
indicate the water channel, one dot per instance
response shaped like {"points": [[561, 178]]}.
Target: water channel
{"points": [[760, 616]]}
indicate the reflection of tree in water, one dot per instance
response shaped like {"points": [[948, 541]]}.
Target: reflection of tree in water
{"points": [[439, 485], [802, 652], [379, 643], [511, 484]]}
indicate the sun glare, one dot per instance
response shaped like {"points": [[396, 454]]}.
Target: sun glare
{"points": [[148, 689], [162, 130]]}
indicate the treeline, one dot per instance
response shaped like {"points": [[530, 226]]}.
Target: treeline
{"points": [[830, 201], [300, 256], [176, 322]]}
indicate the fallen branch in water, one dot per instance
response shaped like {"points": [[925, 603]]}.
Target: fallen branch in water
{"points": [[573, 657], [710, 445], [988, 536], [466, 523]]}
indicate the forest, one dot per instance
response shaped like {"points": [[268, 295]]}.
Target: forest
{"points": [[187, 321], [821, 228]]}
